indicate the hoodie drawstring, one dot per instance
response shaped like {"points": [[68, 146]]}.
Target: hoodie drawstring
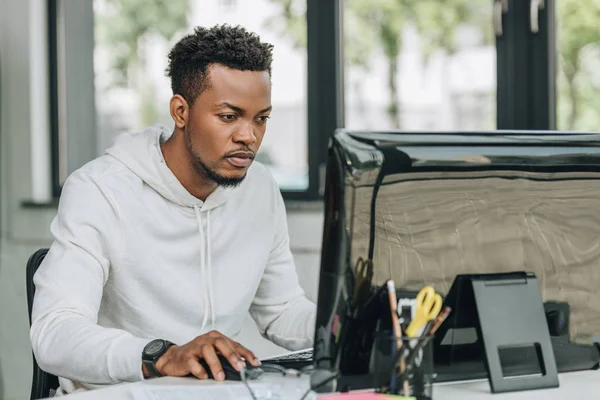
{"points": [[209, 267], [206, 269]]}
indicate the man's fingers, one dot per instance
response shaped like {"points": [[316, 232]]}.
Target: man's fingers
{"points": [[196, 369], [210, 356], [225, 347], [247, 354]]}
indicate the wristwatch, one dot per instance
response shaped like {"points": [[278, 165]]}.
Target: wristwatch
{"points": [[152, 352]]}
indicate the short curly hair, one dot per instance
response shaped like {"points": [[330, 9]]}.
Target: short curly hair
{"points": [[232, 47]]}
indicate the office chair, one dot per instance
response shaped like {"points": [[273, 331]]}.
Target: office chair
{"points": [[42, 383]]}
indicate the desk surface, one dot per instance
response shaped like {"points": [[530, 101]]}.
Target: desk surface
{"points": [[585, 385]]}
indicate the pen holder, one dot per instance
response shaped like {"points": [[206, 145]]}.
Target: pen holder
{"points": [[403, 365]]}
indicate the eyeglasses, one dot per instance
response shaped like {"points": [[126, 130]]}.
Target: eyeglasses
{"points": [[273, 382]]}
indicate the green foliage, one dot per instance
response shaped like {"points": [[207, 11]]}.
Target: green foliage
{"points": [[378, 25], [578, 42], [291, 22], [438, 21], [372, 25], [123, 23], [361, 40], [386, 19]]}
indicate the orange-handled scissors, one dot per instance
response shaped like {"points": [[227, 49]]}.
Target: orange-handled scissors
{"points": [[429, 305]]}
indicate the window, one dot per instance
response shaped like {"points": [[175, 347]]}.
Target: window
{"points": [[405, 64], [419, 65], [578, 76], [132, 39]]}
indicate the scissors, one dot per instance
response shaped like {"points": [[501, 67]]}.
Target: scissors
{"points": [[429, 305], [364, 277]]}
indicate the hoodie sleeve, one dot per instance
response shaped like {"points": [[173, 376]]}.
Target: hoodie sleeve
{"points": [[65, 336], [280, 308]]}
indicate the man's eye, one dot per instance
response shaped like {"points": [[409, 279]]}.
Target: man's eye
{"points": [[228, 117], [263, 118]]}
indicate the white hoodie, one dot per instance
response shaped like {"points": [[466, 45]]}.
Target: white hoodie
{"points": [[137, 257]]}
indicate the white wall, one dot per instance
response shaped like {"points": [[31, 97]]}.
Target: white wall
{"points": [[22, 229], [16, 112]]}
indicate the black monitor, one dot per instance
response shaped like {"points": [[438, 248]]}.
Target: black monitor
{"points": [[426, 207]]}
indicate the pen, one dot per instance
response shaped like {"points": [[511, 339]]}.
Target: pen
{"points": [[440, 319], [427, 329], [397, 331], [419, 344], [431, 328], [391, 288]]}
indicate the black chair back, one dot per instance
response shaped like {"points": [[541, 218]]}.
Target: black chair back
{"points": [[42, 383]]}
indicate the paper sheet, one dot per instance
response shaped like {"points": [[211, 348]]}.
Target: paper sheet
{"points": [[364, 396], [203, 392]]}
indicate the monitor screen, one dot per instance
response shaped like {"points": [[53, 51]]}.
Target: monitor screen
{"points": [[425, 207]]}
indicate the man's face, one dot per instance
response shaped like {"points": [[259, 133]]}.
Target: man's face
{"points": [[227, 123]]}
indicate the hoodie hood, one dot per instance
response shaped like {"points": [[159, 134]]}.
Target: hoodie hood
{"points": [[141, 153]]}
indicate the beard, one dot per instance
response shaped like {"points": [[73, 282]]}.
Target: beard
{"points": [[204, 169]]}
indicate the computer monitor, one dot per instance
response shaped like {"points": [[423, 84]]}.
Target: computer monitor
{"points": [[425, 207]]}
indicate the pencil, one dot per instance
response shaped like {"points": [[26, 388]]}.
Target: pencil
{"points": [[394, 309], [440, 319], [397, 329]]}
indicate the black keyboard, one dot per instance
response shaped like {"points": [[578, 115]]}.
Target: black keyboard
{"points": [[294, 360]]}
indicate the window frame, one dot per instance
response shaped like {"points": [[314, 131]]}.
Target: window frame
{"points": [[526, 68], [53, 58], [324, 92], [71, 88]]}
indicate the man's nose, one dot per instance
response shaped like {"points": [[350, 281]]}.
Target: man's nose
{"points": [[245, 134]]}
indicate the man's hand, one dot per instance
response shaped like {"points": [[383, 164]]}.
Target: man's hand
{"points": [[183, 360]]}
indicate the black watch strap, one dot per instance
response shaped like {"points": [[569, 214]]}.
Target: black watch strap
{"points": [[152, 370], [151, 353]]}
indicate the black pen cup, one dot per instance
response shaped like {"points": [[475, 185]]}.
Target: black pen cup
{"points": [[403, 365]]}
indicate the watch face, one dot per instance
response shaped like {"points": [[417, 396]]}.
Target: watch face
{"points": [[154, 347]]}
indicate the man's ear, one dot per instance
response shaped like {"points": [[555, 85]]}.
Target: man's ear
{"points": [[180, 111]]}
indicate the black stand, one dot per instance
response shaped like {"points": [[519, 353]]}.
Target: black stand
{"points": [[507, 314]]}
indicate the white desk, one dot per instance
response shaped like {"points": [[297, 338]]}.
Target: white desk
{"points": [[573, 385]]}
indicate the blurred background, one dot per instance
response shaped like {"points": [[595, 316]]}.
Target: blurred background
{"points": [[74, 74]]}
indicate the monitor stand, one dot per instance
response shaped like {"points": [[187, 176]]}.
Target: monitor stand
{"points": [[509, 339]]}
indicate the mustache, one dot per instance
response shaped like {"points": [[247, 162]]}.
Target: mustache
{"points": [[240, 150]]}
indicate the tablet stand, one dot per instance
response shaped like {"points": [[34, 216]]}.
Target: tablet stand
{"points": [[507, 313]]}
